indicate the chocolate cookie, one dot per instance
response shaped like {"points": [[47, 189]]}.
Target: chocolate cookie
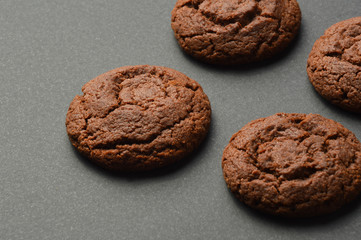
{"points": [[334, 64], [138, 118], [294, 165], [228, 32]]}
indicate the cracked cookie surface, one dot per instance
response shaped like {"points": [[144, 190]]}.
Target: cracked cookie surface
{"points": [[334, 64], [229, 32], [138, 118], [293, 165]]}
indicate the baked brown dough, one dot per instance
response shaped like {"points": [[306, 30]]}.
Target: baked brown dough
{"points": [[138, 118], [229, 32], [334, 64], [293, 165]]}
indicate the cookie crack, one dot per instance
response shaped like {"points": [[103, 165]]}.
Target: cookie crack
{"points": [[129, 141], [304, 172], [339, 55], [191, 5], [207, 31], [166, 80], [212, 17]]}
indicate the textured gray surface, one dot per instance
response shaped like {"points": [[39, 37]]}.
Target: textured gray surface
{"points": [[49, 49]]}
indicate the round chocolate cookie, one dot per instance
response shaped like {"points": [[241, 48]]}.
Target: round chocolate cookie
{"points": [[293, 165], [229, 32], [138, 118], [334, 64]]}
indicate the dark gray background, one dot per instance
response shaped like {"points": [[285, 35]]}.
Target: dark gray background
{"points": [[49, 49]]}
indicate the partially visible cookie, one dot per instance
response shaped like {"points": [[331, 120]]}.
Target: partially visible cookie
{"points": [[334, 64], [229, 32], [138, 118], [293, 165]]}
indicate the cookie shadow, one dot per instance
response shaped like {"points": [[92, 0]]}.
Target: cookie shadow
{"points": [[345, 211], [152, 174], [268, 63]]}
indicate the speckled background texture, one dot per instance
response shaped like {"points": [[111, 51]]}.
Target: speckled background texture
{"points": [[50, 49]]}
